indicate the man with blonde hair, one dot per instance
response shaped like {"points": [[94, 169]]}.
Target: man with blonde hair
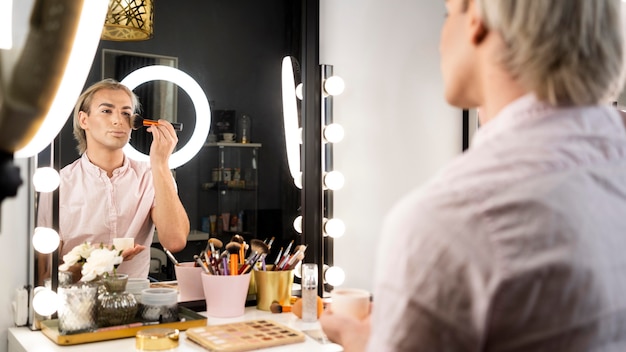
{"points": [[518, 244], [106, 195]]}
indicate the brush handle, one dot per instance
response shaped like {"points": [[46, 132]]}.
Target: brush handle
{"points": [[140, 121], [234, 262], [225, 265]]}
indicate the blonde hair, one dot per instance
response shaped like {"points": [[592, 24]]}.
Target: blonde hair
{"points": [[84, 102], [568, 52]]}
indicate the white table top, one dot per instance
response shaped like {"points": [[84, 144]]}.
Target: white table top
{"points": [[23, 339]]}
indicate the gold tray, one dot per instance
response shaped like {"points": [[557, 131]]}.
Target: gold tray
{"points": [[50, 328]]}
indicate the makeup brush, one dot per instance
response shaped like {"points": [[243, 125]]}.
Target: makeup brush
{"points": [[171, 256], [285, 257], [259, 249], [202, 264], [269, 244], [280, 253], [213, 245], [233, 249], [137, 122], [296, 257]]}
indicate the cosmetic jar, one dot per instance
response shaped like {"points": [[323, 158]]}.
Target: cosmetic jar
{"points": [[136, 285], [159, 304], [157, 339]]}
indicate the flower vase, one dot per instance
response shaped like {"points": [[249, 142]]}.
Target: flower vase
{"points": [[77, 307], [115, 305]]}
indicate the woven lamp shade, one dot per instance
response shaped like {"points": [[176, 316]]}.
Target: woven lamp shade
{"points": [[129, 20]]}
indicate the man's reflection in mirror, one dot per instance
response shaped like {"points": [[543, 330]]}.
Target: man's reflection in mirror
{"points": [[105, 195]]}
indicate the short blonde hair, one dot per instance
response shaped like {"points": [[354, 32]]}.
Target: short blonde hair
{"points": [[568, 52], [84, 102]]}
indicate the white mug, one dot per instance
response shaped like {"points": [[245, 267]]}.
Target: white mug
{"points": [[123, 243], [350, 301], [228, 137]]}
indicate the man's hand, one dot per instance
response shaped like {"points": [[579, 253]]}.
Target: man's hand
{"points": [[130, 253], [164, 140], [346, 331]]}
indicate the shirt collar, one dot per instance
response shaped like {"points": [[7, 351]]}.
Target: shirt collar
{"points": [[96, 170], [515, 113]]}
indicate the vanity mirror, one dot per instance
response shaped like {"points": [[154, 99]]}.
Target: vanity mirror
{"points": [[233, 49]]}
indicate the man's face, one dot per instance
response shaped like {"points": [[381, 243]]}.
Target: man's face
{"points": [[457, 54], [108, 124]]}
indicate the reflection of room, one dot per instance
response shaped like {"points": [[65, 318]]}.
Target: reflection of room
{"points": [[234, 54]]}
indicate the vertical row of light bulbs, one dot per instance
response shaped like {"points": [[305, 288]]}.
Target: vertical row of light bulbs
{"points": [[332, 180], [45, 240]]}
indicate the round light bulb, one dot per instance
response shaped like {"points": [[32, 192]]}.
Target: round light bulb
{"points": [[298, 180], [333, 133], [335, 276], [297, 224], [334, 85], [299, 91], [45, 240], [335, 228], [334, 180], [46, 179], [297, 270], [45, 301]]}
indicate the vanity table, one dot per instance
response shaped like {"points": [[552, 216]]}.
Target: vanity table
{"points": [[23, 339]]}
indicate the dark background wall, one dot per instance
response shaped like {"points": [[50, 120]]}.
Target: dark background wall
{"points": [[233, 49]]}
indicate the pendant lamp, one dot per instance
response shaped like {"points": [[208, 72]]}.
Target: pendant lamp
{"points": [[129, 20]]}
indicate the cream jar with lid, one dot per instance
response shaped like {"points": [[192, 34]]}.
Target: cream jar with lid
{"points": [[159, 304]]}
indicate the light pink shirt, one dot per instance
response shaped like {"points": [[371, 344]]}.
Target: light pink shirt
{"points": [[518, 245], [97, 209]]}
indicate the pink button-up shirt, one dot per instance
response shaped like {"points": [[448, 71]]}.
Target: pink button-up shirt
{"points": [[518, 245], [97, 209]]}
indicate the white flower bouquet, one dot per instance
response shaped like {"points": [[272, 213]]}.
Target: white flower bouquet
{"points": [[96, 261]]}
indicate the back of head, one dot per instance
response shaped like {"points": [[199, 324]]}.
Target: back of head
{"points": [[568, 52], [84, 103]]}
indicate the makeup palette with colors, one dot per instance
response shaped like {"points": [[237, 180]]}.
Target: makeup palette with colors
{"points": [[244, 336]]}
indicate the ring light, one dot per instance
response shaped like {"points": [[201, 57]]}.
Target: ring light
{"points": [[200, 103]]}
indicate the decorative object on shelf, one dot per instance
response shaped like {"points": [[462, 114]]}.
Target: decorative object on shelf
{"points": [[129, 20], [115, 305], [243, 128]]}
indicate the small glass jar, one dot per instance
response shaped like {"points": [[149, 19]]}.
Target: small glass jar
{"points": [[115, 305], [159, 304], [243, 128]]}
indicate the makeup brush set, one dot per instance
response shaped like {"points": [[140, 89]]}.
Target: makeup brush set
{"points": [[238, 257]]}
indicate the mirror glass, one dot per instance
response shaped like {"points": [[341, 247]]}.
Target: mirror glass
{"points": [[233, 49]]}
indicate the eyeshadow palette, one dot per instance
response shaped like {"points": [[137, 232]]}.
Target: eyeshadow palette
{"points": [[244, 336]]}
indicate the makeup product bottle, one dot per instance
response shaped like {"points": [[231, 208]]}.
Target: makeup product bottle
{"points": [[309, 293]]}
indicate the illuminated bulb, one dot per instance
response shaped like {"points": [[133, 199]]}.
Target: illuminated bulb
{"points": [[335, 276], [46, 179], [6, 24], [334, 180], [297, 270], [198, 98], [334, 228], [45, 240], [45, 301], [334, 85], [299, 91], [333, 133], [298, 180], [297, 224]]}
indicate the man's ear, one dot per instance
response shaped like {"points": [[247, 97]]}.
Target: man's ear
{"points": [[82, 119], [478, 29]]}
